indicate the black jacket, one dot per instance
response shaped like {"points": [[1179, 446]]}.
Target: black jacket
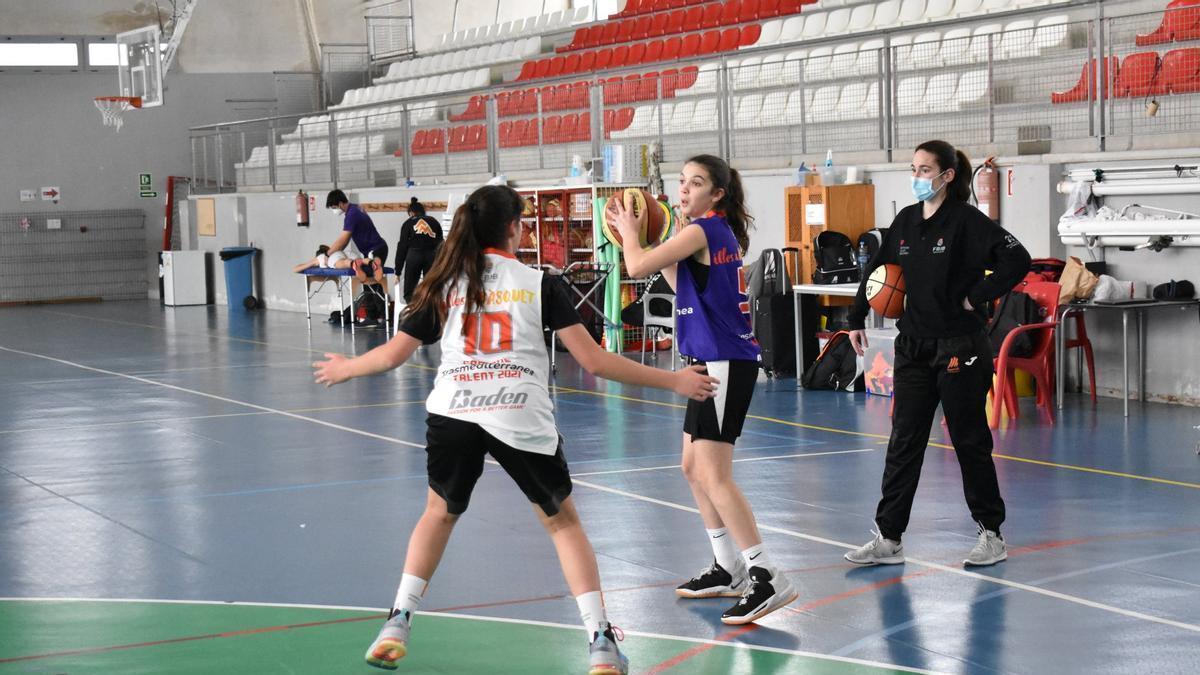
{"points": [[422, 233], [943, 260]]}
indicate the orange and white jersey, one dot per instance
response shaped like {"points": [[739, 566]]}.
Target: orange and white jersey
{"points": [[496, 374]]}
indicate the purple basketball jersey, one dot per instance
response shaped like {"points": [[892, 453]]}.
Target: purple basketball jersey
{"points": [[714, 324]]}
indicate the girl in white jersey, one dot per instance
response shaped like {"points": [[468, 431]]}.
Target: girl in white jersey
{"points": [[491, 397], [703, 263]]}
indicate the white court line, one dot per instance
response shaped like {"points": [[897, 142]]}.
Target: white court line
{"points": [[923, 563], [185, 390], [497, 619], [747, 459]]}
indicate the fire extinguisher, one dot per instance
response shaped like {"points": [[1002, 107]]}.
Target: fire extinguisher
{"points": [[301, 209], [985, 186]]}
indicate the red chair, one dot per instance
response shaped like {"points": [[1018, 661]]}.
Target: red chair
{"points": [[420, 139], [629, 88], [768, 9], [690, 46], [647, 89], [542, 69], [654, 50], [551, 129], [693, 17], [583, 130], [750, 10], [575, 43], [527, 70], [620, 56], [712, 41], [1087, 81], [622, 118], [571, 64], [633, 7], [568, 128], [608, 34], [641, 28], [1181, 70], [1039, 363], [592, 37], [637, 53], [787, 7], [587, 62], [529, 101], [625, 30], [1138, 76], [579, 95], [458, 139], [437, 141], [603, 60], [671, 48], [1181, 21], [658, 24], [1081, 341], [504, 134], [477, 137], [750, 35], [676, 21], [556, 66], [731, 13], [711, 16]]}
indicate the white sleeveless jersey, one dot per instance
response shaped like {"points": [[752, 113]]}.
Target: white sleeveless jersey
{"points": [[496, 375]]}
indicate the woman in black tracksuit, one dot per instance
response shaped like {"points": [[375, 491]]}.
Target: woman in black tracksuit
{"points": [[943, 245], [420, 238]]}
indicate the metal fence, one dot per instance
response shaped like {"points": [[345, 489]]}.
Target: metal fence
{"points": [[1006, 88], [65, 255]]}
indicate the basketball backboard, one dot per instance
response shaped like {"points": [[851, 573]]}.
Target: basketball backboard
{"points": [[140, 65]]}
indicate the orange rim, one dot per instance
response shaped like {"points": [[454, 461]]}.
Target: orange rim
{"points": [[133, 101]]}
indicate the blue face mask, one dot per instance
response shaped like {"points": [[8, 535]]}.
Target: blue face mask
{"points": [[922, 188]]}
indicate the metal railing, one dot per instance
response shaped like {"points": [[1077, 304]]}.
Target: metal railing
{"points": [[981, 89]]}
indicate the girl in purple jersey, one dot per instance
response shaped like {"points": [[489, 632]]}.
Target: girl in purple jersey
{"points": [[703, 262]]}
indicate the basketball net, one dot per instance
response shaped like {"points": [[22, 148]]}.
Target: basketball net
{"points": [[111, 107]]}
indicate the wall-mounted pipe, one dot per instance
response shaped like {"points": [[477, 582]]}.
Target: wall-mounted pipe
{"points": [[1123, 241], [1172, 186], [1189, 227]]}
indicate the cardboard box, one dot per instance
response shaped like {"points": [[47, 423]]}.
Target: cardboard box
{"points": [[879, 359]]}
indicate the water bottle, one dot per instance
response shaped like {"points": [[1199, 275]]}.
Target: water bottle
{"points": [[863, 259], [828, 177]]}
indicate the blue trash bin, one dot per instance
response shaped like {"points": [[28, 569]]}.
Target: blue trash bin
{"points": [[239, 276]]}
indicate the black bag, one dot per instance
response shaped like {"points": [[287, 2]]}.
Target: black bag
{"points": [[1175, 290], [369, 307], [773, 315], [1015, 309], [835, 262], [836, 367]]}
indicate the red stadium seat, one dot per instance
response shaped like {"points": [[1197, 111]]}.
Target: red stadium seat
{"points": [[641, 28], [620, 56], [750, 35], [1180, 21], [768, 9], [504, 134], [693, 18], [556, 66], [527, 69], [550, 129], [731, 13], [1181, 71], [587, 62], [658, 24], [608, 33], [712, 41], [637, 53], [691, 45], [1137, 76], [671, 48], [1087, 82], [675, 21], [749, 11], [647, 89], [571, 64], [654, 50], [543, 67], [603, 59]]}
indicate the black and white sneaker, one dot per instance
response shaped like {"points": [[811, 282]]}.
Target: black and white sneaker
{"points": [[765, 594], [714, 582]]}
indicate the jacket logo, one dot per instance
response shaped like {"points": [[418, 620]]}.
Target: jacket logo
{"points": [[903, 248], [971, 360], [940, 247], [952, 367]]}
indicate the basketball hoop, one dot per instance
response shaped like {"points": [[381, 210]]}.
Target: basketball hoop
{"points": [[111, 108]]}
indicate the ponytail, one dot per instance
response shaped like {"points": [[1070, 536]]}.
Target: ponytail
{"points": [[949, 158], [416, 208], [733, 203], [479, 223]]}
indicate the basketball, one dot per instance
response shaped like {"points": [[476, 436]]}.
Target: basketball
{"points": [[885, 290], [655, 217]]}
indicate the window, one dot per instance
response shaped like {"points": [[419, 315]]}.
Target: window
{"points": [[103, 54], [35, 54]]}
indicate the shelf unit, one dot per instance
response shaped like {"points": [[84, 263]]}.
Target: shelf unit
{"points": [[812, 209]]}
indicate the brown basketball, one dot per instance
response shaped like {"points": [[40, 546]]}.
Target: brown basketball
{"points": [[655, 217], [885, 290]]}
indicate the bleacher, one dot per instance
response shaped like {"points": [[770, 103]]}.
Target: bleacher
{"points": [[812, 72]]}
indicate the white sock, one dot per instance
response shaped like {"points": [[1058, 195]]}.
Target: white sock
{"points": [[408, 596], [591, 610], [756, 556], [723, 548]]}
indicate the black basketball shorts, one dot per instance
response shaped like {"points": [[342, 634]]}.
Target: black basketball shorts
{"points": [[720, 418]]}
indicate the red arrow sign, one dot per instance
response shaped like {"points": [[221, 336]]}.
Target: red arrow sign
{"points": [[52, 193]]}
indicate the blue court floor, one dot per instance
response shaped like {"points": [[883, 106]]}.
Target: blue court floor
{"points": [[184, 454]]}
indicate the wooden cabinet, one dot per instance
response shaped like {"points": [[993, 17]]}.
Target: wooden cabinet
{"points": [[557, 226], [812, 209]]}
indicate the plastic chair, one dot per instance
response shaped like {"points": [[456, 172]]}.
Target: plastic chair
{"points": [[1039, 363], [658, 323], [1081, 341]]}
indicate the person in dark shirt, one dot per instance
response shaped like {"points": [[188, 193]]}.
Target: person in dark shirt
{"points": [[359, 228], [420, 239], [943, 245]]}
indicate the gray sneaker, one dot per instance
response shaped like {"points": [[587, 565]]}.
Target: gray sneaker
{"points": [[878, 551], [989, 550], [604, 657], [391, 644]]}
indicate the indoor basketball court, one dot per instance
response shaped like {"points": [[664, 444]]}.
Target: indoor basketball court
{"points": [[182, 497]]}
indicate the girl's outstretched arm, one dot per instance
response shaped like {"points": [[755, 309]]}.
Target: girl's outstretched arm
{"points": [[391, 354], [691, 382]]}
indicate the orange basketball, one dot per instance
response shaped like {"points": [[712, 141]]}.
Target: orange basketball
{"points": [[885, 290], [654, 215]]}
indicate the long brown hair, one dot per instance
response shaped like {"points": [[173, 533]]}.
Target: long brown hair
{"points": [[480, 222], [950, 158], [733, 202]]}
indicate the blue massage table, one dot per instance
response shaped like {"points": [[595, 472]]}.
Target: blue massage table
{"points": [[341, 278]]}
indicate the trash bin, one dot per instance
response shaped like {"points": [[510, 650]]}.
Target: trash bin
{"points": [[239, 276]]}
